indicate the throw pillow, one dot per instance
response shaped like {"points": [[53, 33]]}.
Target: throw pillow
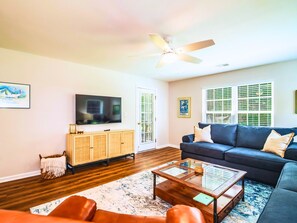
{"points": [[277, 144], [202, 135]]}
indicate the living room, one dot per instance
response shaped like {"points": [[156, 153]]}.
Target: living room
{"points": [[35, 51]]}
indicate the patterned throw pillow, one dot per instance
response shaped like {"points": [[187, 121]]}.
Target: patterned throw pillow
{"points": [[202, 135], [277, 144]]}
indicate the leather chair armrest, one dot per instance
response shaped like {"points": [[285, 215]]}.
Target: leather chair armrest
{"points": [[188, 138], [103, 216], [8, 216], [75, 207], [184, 214]]}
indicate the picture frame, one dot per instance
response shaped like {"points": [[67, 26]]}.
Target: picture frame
{"points": [[184, 107], [72, 129], [15, 95]]}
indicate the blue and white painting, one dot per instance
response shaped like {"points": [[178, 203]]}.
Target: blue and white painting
{"points": [[14, 95], [184, 107]]}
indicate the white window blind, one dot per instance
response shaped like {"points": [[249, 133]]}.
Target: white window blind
{"points": [[245, 104], [255, 104], [219, 105]]}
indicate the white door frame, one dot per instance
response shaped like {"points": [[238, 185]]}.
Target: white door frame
{"points": [[142, 147]]}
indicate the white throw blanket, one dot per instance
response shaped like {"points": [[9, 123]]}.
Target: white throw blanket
{"points": [[56, 166]]}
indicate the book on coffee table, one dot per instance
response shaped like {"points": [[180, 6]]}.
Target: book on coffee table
{"points": [[203, 198]]}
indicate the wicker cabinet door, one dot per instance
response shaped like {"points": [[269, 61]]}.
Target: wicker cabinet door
{"points": [[127, 142], [82, 149], [99, 147], [114, 144]]}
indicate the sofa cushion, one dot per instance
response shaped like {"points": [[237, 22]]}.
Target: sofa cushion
{"points": [[281, 207], [213, 150], [255, 137], [277, 143], [255, 158], [203, 134], [287, 179], [222, 133]]}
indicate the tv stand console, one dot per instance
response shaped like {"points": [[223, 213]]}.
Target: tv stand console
{"points": [[98, 146]]}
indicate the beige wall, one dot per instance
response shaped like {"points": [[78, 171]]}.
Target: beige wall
{"points": [[283, 75], [25, 133]]}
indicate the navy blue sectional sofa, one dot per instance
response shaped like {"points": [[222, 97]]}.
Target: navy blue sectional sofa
{"points": [[282, 204], [240, 147]]}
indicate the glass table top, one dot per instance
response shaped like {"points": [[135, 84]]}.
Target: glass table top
{"points": [[211, 177]]}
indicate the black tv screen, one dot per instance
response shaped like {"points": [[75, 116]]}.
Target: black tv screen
{"points": [[92, 109]]}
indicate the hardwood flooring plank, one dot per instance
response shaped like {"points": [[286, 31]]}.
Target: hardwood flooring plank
{"points": [[25, 193]]}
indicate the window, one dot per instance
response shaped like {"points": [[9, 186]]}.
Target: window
{"points": [[245, 104], [219, 105]]}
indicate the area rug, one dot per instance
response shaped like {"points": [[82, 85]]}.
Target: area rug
{"points": [[133, 195]]}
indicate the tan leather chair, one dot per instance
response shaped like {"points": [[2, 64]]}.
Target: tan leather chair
{"points": [[77, 209]]}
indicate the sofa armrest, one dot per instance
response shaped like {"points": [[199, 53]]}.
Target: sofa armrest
{"points": [[291, 152], [75, 207], [188, 138], [184, 214]]}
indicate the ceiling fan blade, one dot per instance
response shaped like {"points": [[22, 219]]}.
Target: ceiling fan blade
{"points": [[196, 46], [188, 58], [159, 41]]}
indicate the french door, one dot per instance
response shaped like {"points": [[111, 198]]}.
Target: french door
{"points": [[146, 119]]}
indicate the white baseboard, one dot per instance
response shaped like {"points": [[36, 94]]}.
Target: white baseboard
{"points": [[19, 176], [167, 145], [174, 146]]}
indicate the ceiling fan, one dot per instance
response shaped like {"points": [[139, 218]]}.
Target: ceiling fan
{"points": [[171, 54]]}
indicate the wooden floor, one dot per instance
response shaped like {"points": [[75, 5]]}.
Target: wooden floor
{"points": [[29, 192]]}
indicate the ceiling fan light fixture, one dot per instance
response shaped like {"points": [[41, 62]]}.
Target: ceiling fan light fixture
{"points": [[169, 57], [171, 54]]}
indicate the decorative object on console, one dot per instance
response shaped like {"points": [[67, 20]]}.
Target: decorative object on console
{"points": [[14, 95], [203, 134], [72, 129], [53, 166], [184, 107], [277, 143]]}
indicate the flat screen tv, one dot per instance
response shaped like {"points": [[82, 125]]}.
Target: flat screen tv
{"points": [[91, 109]]}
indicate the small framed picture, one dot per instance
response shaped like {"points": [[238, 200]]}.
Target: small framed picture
{"points": [[72, 129], [14, 95], [184, 107]]}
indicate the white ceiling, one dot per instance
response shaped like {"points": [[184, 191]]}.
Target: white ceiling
{"points": [[113, 34]]}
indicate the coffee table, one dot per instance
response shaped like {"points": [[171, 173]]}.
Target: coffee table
{"points": [[224, 185]]}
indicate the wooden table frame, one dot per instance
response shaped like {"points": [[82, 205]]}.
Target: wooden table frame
{"points": [[179, 182]]}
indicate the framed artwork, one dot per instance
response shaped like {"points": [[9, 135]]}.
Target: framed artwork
{"points": [[184, 107], [14, 95]]}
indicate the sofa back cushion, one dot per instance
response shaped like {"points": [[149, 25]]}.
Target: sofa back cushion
{"points": [[255, 137], [222, 133]]}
